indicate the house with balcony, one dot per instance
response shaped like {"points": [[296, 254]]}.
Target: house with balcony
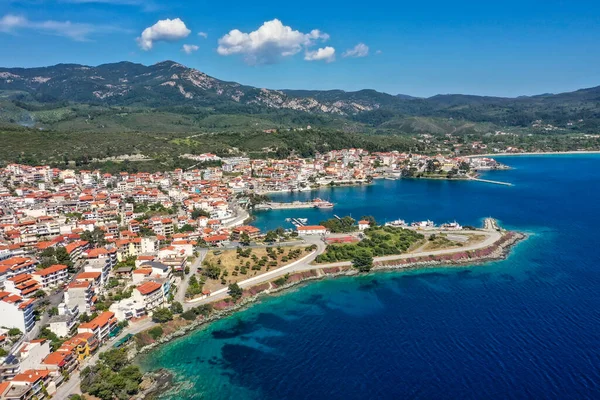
{"points": [[83, 345], [62, 362], [31, 384], [52, 276], [29, 356], [151, 294], [22, 285], [100, 260], [16, 312], [80, 295], [101, 326]]}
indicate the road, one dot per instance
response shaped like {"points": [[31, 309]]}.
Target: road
{"points": [[306, 260], [491, 230], [182, 287], [305, 264]]}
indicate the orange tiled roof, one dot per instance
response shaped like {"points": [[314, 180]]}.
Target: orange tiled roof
{"points": [[148, 287]]}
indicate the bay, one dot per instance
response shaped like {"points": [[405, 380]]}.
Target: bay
{"points": [[525, 327]]}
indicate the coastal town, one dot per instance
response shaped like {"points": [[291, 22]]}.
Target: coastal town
{"points": [[88, 259]]}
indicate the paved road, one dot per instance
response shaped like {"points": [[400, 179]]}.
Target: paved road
{"points": [[305, 263], [182, 287], [255, 280]]}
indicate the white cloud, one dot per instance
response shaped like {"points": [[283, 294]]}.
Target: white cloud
{"points": [[76, 31], [167, 30], [325, 53], [378, 52], [189, 48], [360, 50], [203, 34], [268, 43]]}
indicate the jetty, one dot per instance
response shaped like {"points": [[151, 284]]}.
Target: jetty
{"points": [[285, 206], [491, 181], [315, 203]]}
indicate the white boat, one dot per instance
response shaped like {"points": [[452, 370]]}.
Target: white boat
{"points": [[452, 225], [322, 203], [423, 224], [396, 223]]}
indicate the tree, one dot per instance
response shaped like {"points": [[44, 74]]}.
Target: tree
{"points": [[235, 291], [270, 237], [53, 311], [95, 237], [464, 166], [62, 257], [40, 294], [176, 307], [187, 228], [14, 332], [245, 239], [212, 271], [162, 315], [197, 213], [363, 260], [430, 166]]}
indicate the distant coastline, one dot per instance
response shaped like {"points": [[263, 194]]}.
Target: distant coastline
{"points": [[539, 153]]}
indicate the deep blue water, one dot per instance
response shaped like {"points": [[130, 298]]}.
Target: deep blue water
{"points": [[524, 328]]}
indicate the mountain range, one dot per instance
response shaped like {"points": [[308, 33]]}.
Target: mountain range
{"points": [[172, 87]]}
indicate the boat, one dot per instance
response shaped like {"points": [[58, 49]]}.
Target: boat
{"points": [[396, 223], [303, 220], [322, 203], [423, 224], [452, 225]]}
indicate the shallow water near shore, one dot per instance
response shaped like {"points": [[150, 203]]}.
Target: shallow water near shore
{"points": [[524, 327]]}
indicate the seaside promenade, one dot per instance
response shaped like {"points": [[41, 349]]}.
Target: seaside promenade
{"points": [[490, 230]]}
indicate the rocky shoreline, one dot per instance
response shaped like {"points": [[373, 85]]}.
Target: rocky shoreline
{"points": [[158, 382]]}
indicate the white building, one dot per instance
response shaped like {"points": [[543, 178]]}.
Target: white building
{"points": [[79, 294], [16, 312], [52, 276], [312, 230], [151, 294]]}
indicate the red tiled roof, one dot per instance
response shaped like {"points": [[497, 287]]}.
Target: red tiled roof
{"points": [[51, 270], [148, 287]]}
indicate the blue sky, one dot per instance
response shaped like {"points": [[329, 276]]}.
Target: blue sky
{"points": [[421, 48]]}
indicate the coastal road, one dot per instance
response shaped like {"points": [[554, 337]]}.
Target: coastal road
{"points": [[256, 280], [305, 264], [182, 288], [492, 237]]}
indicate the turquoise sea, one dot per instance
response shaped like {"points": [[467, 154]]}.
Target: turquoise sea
{"points": [[524, 328]]}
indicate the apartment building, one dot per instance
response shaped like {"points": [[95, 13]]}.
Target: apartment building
{"points": [[16, 312], [101, 326], [52, 276], [151, 294], [80, 294]]}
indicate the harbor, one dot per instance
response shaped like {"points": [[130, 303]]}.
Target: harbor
{"points": [[315, 203]]}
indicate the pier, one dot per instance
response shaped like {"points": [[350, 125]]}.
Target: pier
{"points": [[490, 181], [285, 206]]}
